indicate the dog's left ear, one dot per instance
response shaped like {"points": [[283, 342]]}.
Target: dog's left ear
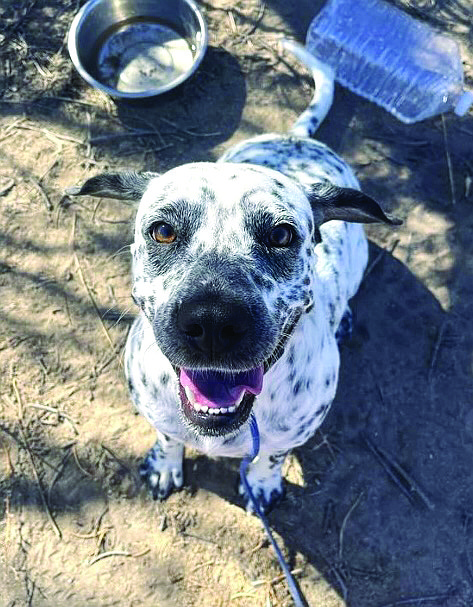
{"points": [[333, 202], [123, 186]]}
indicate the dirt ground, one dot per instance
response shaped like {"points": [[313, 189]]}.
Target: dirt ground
{"points": [[379, 507]]}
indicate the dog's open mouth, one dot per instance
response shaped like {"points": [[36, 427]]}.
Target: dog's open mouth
{"points": [[218, 402]]}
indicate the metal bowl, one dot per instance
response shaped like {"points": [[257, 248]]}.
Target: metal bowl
{"points": [[137, 48]]}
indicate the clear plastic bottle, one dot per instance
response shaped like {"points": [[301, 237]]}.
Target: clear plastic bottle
{"points": [[383, 54]]}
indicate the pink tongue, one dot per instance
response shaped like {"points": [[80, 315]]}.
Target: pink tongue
{"points": [[214, 388]]}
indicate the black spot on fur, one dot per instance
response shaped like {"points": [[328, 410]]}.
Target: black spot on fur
{"points": [[297, 387], [261, 281], [309, 308], [290, 356], [317, 237], [277, 459], [332, 313], [164, 379], [321, 410]]}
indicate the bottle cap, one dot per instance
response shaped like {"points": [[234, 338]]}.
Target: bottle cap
{"points": [[464, 102]]}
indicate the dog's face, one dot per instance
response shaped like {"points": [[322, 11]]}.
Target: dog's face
{"points": [[223, 269]]}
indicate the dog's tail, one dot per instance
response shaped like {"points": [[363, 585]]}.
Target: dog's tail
{"points": [[308, 122]]}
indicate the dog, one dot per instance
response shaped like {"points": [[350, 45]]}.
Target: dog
{"points": [[242, 270]]}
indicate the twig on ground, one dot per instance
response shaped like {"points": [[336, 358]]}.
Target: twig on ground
{"points": [[276, 580], [104, 365], [340, 581], [78, 464], [96, 208], [7, 186], [92, 300], [419, 600], [19, 400], [22, 445], [344, 524], [325, 441], [114, 136], [24, 438], [200, 565], [258, 20], [51, 135], [51, 165], [58, 473], [57, 412], [231, 20], [186, 131], [449, 162], [436, 349], [129, 470], [11, 470], [104, 555], [11, 127], [92, 535], [398, 475], [73, 231], [47, 203]]}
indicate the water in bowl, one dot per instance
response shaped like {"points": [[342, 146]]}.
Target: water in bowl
{"points": [[138, 55]]}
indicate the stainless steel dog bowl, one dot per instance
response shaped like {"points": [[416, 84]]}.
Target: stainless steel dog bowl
{"points": [[137, 48]]}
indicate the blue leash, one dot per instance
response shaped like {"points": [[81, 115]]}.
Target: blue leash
{"points": [[294, 590]]}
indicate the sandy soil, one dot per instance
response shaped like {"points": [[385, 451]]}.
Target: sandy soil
{"points": [[379, 505]]}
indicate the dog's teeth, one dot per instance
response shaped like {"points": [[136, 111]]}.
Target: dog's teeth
{"points": [[204, 408], [231, 409], [238, 403], [197, 407], [189, 395]]}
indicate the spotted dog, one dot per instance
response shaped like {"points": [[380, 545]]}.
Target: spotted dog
{"points": [[242, 270]]}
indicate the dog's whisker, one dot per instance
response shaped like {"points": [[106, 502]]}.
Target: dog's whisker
{"points": [[124, 249], [121, 317]]}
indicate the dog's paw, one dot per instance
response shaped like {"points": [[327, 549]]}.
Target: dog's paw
{"points": [[162, 472], [266, 483], [266, 495]]}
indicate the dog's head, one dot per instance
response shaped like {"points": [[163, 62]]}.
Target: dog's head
{"points": [[222, 270]]}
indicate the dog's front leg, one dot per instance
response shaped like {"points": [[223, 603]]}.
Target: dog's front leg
{"points": [[162, 467], [264, 477]]}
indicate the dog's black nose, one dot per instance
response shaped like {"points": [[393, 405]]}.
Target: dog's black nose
{"points": [[213, 327]]}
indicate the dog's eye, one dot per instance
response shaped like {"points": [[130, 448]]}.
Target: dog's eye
{"points": [[281, 235], [163, 233]]}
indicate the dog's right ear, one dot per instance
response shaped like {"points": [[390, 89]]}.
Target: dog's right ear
{"points": [[123, 186]]}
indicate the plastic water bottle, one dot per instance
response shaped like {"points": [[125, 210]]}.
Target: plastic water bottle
{"points": [[383, 54]]}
